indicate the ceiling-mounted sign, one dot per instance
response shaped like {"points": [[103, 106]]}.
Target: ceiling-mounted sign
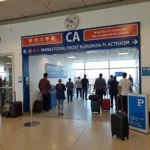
{"points": [[118, 74], [110, 37], [71, 22]]}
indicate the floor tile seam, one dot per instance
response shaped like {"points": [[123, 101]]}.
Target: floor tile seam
{"points": [[79, 136], [59, 143]]}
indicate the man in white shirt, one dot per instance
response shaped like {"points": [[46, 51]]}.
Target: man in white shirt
{"points": [[124, 89], [78, 85]]}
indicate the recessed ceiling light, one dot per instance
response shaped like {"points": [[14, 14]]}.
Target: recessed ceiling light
{"points": [[9, 56], [71, 57], [2, 0], [122, 53], [8, 63]]}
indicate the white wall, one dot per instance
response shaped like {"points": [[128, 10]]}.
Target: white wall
{"points": [[37, 68], [11, 40]]}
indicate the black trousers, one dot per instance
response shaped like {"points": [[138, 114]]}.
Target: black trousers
{"points": [[69, 95], [125, 103], [84, 90], [112, 96], [100, 93], [46, 102], [78, 90]]}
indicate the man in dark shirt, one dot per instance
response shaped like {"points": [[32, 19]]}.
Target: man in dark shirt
{"points": [[85, 85], [113, 90], [70, 87], [44, 86], [100, 87], [131, 79]]}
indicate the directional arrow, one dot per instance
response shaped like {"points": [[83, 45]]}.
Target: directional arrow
{"points": [[135, 42], [24, 51]]}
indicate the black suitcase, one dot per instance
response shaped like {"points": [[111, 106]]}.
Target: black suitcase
{"points": [[38, 105], [120, 125], [15, 109], [94, 97]]}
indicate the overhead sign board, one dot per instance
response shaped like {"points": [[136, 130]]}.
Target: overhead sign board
{"points": [[110, 37]]}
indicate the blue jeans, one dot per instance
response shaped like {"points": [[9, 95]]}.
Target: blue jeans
{"points": [[60, 103]]}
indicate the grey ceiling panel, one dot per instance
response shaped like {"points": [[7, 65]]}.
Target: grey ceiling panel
{"points": [[27, 7], [7, 13], [57, 5]]}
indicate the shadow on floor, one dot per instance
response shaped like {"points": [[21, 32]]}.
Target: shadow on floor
{"points": [[78, 110]]}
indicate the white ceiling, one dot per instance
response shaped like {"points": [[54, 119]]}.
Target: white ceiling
{"points": [[100, 55], [15, 9]]}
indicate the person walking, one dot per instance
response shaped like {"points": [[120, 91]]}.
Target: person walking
{"points": [[45, 87], [113, 90], [111, 78], [70, 88], [78, 86], [124, 89], [85, 85], [60, 96], [131, 79], [100, 87]]}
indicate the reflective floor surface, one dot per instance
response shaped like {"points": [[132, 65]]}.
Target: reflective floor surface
{"points": [[73, 131]]}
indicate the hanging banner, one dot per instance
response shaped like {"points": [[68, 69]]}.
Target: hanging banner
{"points": [[55, 71], [110, 37]]}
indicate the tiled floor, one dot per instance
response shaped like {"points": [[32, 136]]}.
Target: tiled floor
{"points": [[59, 133]]}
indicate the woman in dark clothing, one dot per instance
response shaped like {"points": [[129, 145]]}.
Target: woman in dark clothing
{"points": [[60, 96]]}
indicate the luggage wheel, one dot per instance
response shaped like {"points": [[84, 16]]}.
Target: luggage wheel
{"points": [[123, 139]]}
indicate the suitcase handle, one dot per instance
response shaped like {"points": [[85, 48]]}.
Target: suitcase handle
{"points": [[39, 97], [14, 93]]}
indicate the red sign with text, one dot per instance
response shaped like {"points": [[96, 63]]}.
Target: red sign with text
{"points": [[111, 32], [42, 40]]}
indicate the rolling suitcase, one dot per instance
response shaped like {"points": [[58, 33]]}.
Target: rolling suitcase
{"points": [[106, 103], [94, 97], [95, 106], [38, 105], [15, 108], [119, 125]]}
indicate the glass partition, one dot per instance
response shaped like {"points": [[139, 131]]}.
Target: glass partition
{"points": [[6, 90]]}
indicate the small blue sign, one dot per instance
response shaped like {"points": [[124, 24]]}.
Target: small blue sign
{"points": [[145, 71], [118, 74], [55, 71], [138, 112]]}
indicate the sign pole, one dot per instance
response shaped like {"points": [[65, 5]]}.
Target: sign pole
{"points": [[31, 123]]}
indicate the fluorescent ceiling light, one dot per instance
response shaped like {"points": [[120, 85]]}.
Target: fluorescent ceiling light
{"points": [[89, 52], [9, 56], [71, 57], [122, 53], [8, 63], [2, 0]]}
